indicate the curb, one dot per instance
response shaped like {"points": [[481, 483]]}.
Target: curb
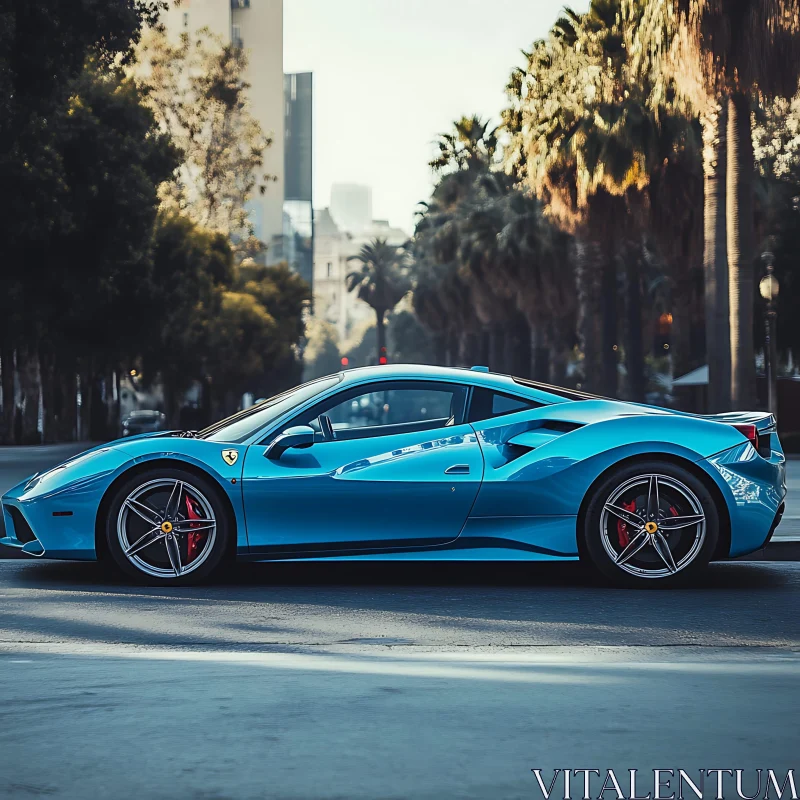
{"points": [[783, 549]]}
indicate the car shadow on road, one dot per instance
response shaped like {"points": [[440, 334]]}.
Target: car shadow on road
{"points": [[87, 576]]}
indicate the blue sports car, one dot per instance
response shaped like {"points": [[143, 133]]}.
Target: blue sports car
{"points": [[417, 463]]}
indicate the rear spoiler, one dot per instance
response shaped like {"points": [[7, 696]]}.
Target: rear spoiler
{"points": [[763, 420], [755, 426]]}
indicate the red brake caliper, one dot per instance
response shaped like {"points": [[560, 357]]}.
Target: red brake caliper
{"points": [[192, 539], [622, 528]]}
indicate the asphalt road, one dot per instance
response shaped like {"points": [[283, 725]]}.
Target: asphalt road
{"points": [[333, 681]]}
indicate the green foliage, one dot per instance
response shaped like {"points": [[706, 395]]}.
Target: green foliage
{"points": [[197, 91], [409, 342], [321, 355], [94, 279], [381, 280], [235, 328]]}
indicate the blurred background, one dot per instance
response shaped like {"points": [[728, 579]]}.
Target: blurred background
{"points": [[206, 202]]}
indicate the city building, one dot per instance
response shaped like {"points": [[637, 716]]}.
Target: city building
{"points": [[257, 26], [297, 244], [333, 246], [351, 207]]}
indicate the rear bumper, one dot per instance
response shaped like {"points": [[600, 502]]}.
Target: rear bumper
{"points": [[754, 489]]}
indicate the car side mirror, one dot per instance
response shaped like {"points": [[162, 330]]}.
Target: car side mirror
{"points": [[298, 436]]}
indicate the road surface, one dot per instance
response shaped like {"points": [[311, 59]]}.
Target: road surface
{"points": [[333, 681]]}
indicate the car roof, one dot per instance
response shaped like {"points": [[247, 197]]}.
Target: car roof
{"points": [[490, 380]]}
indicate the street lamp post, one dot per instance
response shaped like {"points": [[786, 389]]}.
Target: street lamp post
{"points": [[769, 288]]}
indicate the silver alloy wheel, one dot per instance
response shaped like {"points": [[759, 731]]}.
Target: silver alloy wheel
{"points": [[654, 540], [154, 524]]}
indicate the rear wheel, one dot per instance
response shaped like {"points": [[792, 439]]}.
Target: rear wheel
{"points": [[167, 526], [651, 524]]}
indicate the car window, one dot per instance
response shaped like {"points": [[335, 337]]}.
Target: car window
{"points": [[487, 404], [387, 408], [241, 426]]}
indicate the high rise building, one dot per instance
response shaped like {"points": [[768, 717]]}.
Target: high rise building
{"points": [[298, 212], [351, 207], [257, 26]]}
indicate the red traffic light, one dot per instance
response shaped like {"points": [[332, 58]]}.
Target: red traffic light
{"points": [[345, 361], [383, 360]]}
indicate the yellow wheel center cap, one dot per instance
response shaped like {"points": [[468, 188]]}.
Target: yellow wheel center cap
{"points": [[651, 527], [166, 526]]}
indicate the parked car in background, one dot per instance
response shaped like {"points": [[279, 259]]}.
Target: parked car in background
{"points": [[143, 421]]}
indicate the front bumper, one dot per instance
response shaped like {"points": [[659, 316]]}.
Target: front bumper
{"points": [[55, 516], [19, 533]]}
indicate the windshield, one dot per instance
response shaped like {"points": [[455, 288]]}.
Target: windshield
{"points": [[241, 426]]}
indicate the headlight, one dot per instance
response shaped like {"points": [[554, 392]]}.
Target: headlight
{"points": [[46, 477]]}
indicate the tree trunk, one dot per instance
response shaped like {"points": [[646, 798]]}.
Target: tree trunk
{"points": [[65, 398], [49, 402], [585, 323], [518, 347], [112, 404], [715, 258], [634, 356], [740, 187], [540, 351], [497, 350], [85, 408], [30, 386], [485, 347], [470, 348], [608, 334], [440, 349], [9, 399], [452, 348], [380, 327]]}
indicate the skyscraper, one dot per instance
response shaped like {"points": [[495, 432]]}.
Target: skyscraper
{"points": [[298, 213], [351, 207], [257, 26]]}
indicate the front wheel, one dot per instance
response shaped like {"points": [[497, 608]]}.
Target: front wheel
{"points": [[651, 524], [167, 526]]}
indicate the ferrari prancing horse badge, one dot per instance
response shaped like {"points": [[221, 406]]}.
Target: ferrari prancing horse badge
{"points": [[230, 456]]}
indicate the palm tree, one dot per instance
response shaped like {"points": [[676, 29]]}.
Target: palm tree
{"points": [[471, 144], [381, 281], [584, 141], [721, 55]]}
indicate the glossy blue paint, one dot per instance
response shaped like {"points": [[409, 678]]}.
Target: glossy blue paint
{"points": [[515, 494], [754, 489], [371, 491]]}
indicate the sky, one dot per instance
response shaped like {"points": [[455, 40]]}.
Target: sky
{"points": [[389, 75]]}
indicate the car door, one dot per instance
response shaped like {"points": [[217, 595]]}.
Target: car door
{"points": [[402, 470]]}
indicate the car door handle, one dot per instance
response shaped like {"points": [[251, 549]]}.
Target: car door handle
{"points": [[457, 469]]}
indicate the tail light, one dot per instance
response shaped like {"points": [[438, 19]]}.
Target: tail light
{"points": [[760, 441], [750, 432]]}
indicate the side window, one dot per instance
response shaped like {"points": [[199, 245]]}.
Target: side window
{"points": [[388, 408], [487, 404]]}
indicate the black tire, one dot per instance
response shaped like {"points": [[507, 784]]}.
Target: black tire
{"points": [[153, 563], [639, 560]]}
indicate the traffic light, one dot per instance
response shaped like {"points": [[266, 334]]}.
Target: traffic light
{"points": [[663, 338], [384, 358], [345, 361]]}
